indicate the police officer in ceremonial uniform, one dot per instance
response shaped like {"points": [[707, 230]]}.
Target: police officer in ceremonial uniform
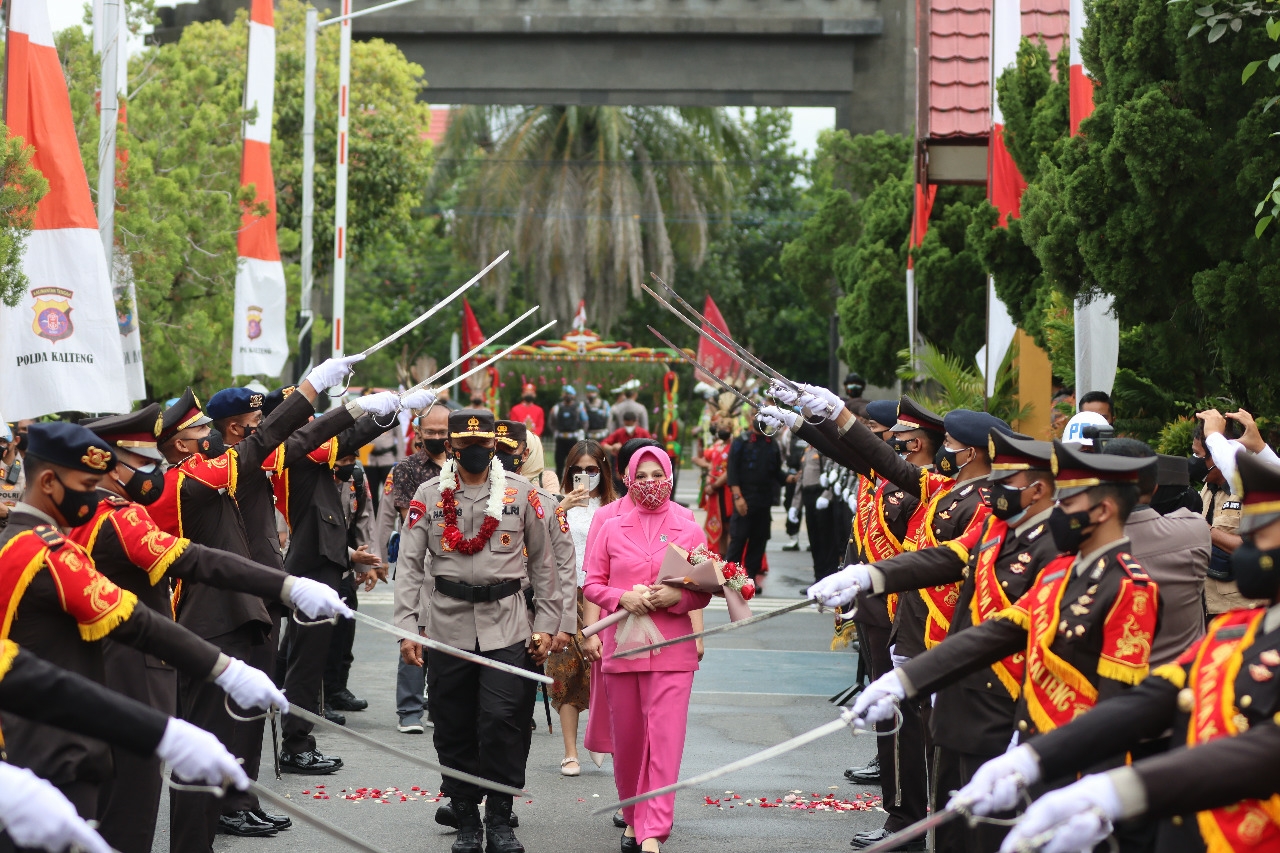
{"points": [[1225, 685], [462, 561], [994, 563], [1085, 625], [130, 550], [58, 605]]}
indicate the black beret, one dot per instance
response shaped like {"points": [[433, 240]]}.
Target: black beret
{"points": [[971, 428], [275, 398], [230, 402], [70, 446], [883, 412]]}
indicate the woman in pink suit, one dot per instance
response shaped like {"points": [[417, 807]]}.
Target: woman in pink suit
{"points": [[648, 694]]}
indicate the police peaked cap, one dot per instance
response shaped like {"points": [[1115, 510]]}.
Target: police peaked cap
{"points": [[912, 415], [1075, 472], [71, 446], [183, 414], [1259, 483], [275, 398], [883, 412], [230, 402], [1009, 455], [136, 431], [511, 433], [467, 423], [972, 428]]}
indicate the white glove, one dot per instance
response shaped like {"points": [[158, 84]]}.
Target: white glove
{"points": [[37, 815], [382, 404], [778, 417], [822, 502], [331, 371], [783, 393], [1078, 816], [197, 756], [793, 515], [420, 399], [820, 402], [995, 786], [250, 688], [824, 479], [315, 600], [878, 700], [837, 590]]}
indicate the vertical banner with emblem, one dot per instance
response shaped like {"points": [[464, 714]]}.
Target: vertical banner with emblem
{"points": [[60, 345], [260, 345]]}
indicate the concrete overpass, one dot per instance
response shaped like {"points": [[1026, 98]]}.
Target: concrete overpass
{"points": [[854, 55]]}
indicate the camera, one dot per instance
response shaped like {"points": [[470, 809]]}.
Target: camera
{"points": [[1099, 434]]}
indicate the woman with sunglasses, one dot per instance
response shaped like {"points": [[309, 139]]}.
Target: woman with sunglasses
{"points": [[587, 485]]}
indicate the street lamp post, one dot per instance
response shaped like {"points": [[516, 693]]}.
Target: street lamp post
{"points": [[340, 188]]}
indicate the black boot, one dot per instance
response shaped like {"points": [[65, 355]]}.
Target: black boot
{"points": [[470, 833], [497, 824]]}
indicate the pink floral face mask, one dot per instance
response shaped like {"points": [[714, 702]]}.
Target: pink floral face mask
{"points": [[650, 494]]}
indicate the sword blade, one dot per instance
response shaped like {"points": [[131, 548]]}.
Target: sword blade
{"points": [[703, 333], [494, 358], [723, 385], [330, 829], [462, 359], [741, 764], [744, 353], [295, 711], [915, 830], [435, 308], [450, 650], [719, 629]]}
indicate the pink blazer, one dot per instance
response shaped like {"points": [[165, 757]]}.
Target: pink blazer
{"points": [[619, 558]]}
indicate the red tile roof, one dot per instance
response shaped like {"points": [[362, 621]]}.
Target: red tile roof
{"points": [[440, 118], [958, 71]]}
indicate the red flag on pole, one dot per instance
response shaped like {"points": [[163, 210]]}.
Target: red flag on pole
{"points": [[1080, 85], [710, 356], [472, 336]]}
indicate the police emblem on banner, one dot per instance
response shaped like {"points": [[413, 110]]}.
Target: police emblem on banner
{"points": [[53, 313], [253, 324]]}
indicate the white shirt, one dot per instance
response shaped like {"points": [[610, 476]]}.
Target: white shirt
{"points": [[579, 525], [1224, 450]]}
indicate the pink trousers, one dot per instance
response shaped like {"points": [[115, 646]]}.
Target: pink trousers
{"points": [[597, 737], [648, 714]]}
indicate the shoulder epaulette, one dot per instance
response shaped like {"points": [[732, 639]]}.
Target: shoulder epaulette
{"points": [[115, 500], [1133, 568], [50, 536]]}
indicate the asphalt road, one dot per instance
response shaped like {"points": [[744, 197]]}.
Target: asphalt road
{"points": [[757, 687]]}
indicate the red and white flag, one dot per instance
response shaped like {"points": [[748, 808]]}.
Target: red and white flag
{"points": [[60, 346], [1097, 330], [1004, 181], [260, 344], [711, 357], [920, 212], [580, 316]]}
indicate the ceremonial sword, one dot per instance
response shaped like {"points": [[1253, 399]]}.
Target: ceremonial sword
{"points": [[744, 353], [463, 776], [446, 386], [447, 649], [845, 720], [703, 333], [724, 385], [719, 629], [422, 319], [475, 349]]}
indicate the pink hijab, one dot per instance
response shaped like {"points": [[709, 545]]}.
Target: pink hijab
{"points": [[651, 520]]}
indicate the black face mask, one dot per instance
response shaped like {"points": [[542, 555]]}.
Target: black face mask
{"points": [[212, 446], [1069, 528], [509, 461], [946, 462], [144, 487], [1006, 501], [901, 446], [434, 446], [1197, 469], [723, 435], [474, 458], [77, 507], [249, 430], [529, 399], [344, 472], [1257, 573]]}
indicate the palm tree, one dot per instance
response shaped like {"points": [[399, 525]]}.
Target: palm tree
{"points": [[588, 198], [945, 382]]}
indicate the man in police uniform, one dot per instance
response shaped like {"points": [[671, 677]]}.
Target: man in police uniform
{"points": [[460, 572]]}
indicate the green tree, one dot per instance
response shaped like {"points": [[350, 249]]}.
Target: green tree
{"points": [[23, 188]]}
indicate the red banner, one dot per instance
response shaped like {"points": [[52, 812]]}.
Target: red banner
{"points": [[709, 355]]}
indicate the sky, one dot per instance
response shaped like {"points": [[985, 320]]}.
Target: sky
{"points": [[806, 122]]}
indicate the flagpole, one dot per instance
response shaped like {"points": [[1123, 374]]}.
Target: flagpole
{"points": [[305, 314], [340, 188], [108, 117]]}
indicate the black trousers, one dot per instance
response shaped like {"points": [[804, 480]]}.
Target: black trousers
{"points": [[193, 818], [563, 446], [307, 650], [820, 524], [748, 536], [249, 735], [952, 770], [482, 720], [129, 803], [342, 641]]}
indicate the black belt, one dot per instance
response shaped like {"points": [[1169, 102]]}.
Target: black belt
{"points": [[467, 592]]}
